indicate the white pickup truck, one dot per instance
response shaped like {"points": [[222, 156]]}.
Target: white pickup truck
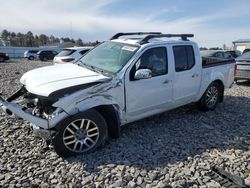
{"points": [[78, 106]]}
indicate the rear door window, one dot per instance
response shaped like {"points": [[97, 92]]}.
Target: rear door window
{"points": [[184, 57]]}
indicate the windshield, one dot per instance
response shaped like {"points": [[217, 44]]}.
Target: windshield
{"points": [[109, 56]]}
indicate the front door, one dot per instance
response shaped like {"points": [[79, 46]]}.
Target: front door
{"points": [[151, 94]]}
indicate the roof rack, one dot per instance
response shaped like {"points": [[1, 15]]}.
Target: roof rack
{"points": [[147, 38], [116, 36]]}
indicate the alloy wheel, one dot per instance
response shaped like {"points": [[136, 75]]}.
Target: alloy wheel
{"points": [[212, 96], [81, 135]]}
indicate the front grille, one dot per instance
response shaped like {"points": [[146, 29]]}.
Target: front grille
{"points": [[243, 73]]}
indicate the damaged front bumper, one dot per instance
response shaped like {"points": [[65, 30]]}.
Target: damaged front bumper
{"points": [[42, 133], [41, 127]]}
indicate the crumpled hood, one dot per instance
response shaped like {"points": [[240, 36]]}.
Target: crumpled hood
{"points": [[46, 80]]}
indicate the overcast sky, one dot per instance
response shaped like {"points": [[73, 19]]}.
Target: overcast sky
{"points": [[214, 22]]}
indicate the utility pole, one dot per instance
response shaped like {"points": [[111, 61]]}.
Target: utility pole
{"points": [[70, 29]]}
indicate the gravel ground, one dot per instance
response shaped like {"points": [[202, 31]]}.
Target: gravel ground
{"points": [[173, 149]]}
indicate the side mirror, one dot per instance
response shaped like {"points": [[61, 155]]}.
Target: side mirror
{"points": [[143, 74]]}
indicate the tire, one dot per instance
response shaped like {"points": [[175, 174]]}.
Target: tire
{"points": [[31, 58], [1, 59], [211, 97], [79, 134]]}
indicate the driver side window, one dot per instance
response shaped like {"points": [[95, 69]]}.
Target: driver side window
{"points": [[154, 59]]}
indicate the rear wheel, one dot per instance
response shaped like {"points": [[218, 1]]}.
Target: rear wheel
{"points": [[81, 133], [211, 97]]}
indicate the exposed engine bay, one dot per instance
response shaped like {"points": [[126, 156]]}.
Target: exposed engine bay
{"points": [[36, 105]]}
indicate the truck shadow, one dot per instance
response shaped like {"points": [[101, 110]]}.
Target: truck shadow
{"points": [[174, 136]]}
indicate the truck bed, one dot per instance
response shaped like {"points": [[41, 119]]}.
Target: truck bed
{"points": [[211, 62]]}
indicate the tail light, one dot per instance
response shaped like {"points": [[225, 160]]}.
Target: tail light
{"points": [[68, 59], [235, 70]]}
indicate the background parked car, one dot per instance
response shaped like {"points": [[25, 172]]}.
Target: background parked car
{"points": [[213, 56], [30, 54], [216, 54], [71, 54], [234, 53], [246, 50], [4, 56], [45, 55], [242, 70]]}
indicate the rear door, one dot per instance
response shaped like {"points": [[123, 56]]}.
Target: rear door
{"points": [[187, 74]]}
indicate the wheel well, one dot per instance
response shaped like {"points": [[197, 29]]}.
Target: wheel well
{"points": [[221, 85], [111, 116]]}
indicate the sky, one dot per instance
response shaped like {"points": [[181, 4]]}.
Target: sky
{"points": [[213, 22]]}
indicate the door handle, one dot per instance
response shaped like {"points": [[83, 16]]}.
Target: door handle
{"points": [[193, 75]]}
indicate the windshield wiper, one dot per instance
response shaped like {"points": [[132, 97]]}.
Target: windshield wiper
{"points": [[95, 69], [91, 67]]}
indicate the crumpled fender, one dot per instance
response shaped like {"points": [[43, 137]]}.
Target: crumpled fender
{"points": [[100, 94]]}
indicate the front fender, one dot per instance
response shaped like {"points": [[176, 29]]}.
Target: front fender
{"points": [[107, 93]]}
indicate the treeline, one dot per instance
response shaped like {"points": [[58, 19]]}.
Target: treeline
{"points": [[214, 48], [30, 40]]}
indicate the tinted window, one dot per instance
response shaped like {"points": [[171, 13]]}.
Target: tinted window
{"points": [[226, 55], [154, 59], [33, 51], [83, 52], [219, 55], [190, 56], [184, 58]]}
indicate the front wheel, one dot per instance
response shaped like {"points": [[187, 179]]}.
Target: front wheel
{"points": [[44, 59], [31, 58], [81, 133], [1, 59], [211, 97]]}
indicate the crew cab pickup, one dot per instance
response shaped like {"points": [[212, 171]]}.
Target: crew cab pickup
{"points": [[78, 106]]}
